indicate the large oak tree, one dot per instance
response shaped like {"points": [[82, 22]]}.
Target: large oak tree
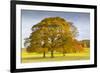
{"points": [[50, 34]]}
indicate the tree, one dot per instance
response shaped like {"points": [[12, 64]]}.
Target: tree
{"points": [[50, 34], [37, 42], [85, 43]]}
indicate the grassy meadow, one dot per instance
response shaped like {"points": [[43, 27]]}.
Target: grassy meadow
{"points": [[38, 57]]}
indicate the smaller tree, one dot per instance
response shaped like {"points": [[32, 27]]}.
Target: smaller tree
{"points": [[85, 43]]}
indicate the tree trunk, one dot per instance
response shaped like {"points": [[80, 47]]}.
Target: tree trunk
{"points": [[52, 56], [63, 53], [44, 55]]}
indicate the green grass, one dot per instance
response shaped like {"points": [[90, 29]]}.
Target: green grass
{"points": [[37, 57]]}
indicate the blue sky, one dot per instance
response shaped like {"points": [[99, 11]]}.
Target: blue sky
{"points": [[32, 17]]}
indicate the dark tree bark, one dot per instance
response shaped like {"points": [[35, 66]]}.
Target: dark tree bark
{"points": [[44, 55], [63, 53], [52, 54]]}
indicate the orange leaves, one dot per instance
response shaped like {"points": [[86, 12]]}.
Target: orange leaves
{"points": [[56, 34]]}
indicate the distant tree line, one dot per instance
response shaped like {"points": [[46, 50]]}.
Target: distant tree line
{"points": [[85, 43]]}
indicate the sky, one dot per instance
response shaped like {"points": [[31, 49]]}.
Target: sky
{"points": [[79, 19]]}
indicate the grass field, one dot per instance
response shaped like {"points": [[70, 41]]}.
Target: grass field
{"points": [[37, 57]]}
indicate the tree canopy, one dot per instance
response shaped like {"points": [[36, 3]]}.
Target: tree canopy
{"points": [[52, 34]]}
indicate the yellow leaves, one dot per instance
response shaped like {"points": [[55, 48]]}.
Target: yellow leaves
{"points": [[41, 50], [58, 30]]}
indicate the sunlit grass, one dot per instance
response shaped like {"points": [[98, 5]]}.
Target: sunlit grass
{"points": [[38, 57]]}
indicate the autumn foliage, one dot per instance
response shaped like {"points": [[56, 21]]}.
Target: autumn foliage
{"points": [[53, 34]]}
